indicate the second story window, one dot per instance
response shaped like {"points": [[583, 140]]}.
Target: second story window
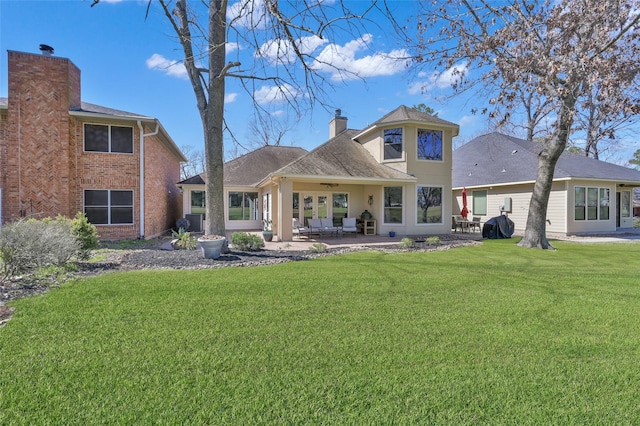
{"points": [[429, 144], [393, 144], [107, 138]]}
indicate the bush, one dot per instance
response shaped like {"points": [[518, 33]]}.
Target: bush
{"points": [[246, 241], [26, 246], [434, 241], [86, 234], [183, 240], [183, 223], [318, 248], [406, 243]]}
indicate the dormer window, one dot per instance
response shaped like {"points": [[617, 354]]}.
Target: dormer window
{"points": [[393, 144], [429, 144]]}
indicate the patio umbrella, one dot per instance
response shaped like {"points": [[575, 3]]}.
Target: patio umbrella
{"points": [[465, 212]]}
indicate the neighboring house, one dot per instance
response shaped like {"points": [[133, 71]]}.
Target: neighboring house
{"points": [[587, 195], [59, 155], [399, 168]]}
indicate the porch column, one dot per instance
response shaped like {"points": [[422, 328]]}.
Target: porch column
{"points": [[285, 210]]}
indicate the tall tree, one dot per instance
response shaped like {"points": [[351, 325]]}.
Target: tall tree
{"points": [[555, 48], [284, 37]]}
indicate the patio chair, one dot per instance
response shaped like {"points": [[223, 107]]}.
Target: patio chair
{"points": [[300, 230], [475, 223], [458, 222], [349, 225], [327, 226], [315, 226]]}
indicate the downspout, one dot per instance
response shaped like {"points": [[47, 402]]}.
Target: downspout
{"points": [[142, 136]]}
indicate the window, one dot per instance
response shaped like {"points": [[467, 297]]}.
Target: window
{"points": [[393, 204], [296, 205], [429, 204], [243, 205], [106, 138], [109, 207], [591, 203], [429, 144], [479, 202], [198, 202], [625, 204], [340, 207], [393, 144]]}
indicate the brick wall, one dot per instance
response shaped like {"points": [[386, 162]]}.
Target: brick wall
{"points": [[163, 198], [41, 89]]}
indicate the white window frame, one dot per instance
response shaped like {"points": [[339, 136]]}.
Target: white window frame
{"points": [[418, 144], [441, 205], [402, 214], [598, 206], [109, 206], [109, 127], [402, 145]]}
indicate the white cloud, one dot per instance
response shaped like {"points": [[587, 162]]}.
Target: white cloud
{"points": [[274, 94], [168, 66], [342, 64], [438, 80], [231, 47], [230, 97], [282, 51], [249, 14]]}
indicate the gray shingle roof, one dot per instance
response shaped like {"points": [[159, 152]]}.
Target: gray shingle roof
{"points": [[404, 113], [341, 156], [499, 159], [253, 167], [97, 109]]}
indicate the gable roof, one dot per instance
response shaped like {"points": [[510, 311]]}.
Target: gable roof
{"points": [[341, 158], [251, 168], [496, 159], [403, 114], [93, 109]]}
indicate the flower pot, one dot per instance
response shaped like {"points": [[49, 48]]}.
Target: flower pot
{"points": [[267, 235], [211, 248], [392, 233]]}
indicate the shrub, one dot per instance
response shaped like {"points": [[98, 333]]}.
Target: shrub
{"points": [[28, 245], [406, 243], [86, 234], [433, 241], [246, 241], [318, 248], [183, 223], [183, 240]]}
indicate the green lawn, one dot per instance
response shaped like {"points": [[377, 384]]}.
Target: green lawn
{"points": [[492, 334]]}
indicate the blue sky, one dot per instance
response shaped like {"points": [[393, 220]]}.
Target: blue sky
{"points": [[123, 60]]}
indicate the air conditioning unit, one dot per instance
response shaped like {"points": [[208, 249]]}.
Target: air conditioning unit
{"points": [[195, 222], [506, 208]]}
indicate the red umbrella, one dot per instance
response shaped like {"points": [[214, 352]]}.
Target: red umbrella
{"points": [[465, 211]]}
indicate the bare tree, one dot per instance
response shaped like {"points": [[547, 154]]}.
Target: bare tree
{"points": [[269, 130], [557, 49], [284, 37], [195, 164]]}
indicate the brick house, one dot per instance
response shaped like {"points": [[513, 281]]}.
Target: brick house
{"points": [[59, 155]]}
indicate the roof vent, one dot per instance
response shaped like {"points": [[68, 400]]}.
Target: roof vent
{"points": [[46, 49]]}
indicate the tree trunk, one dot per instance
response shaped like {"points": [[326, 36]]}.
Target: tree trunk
{"points": [[535, 234], [213, 119]]}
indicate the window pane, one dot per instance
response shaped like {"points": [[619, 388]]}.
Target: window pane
{"points": [[592, 203], [340, 208], [121, 198], [296, 205], [429, 144], [121, 215], [235, 205], [580, 203], [322, 207], [393, 143], [308, 208], [625, 204], [479, 202], [96, 138], [96, 198], [198, 202], [429, 204], [97, 215], [122, 139], [604, 203], [250, 206], [393, 204]]}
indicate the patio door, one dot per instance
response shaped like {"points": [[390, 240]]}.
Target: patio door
{"points": [[316, 206]]}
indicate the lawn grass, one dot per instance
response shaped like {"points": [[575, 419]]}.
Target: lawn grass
{"points": [[493, 334]]}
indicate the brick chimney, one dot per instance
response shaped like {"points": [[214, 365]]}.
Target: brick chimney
{"points": [[338, 124], [36, 167]]}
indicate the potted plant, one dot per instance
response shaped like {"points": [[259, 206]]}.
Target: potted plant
{"points": [[392, 234], [267, 231], [211, 245]]}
